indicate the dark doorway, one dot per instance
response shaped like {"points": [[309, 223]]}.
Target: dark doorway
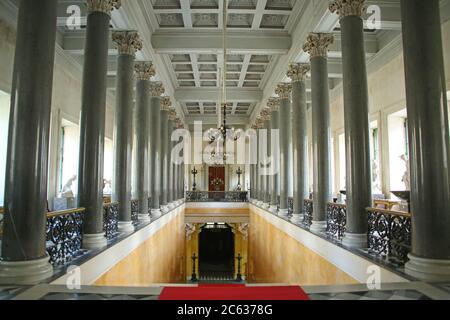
{"points": [[216, 252]]}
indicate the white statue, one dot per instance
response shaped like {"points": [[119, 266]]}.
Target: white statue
{"points": [[66, 191], [405, 178]]}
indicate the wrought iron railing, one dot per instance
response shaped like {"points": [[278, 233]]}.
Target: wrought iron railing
{"points": [[135, 212], [111, 220], [64, 237], [336, 220], [225, 196], [308, 212], [389, 234], [290, 206]]}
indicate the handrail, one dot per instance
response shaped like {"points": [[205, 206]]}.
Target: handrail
{"points": [[2, 210], [391, 212], [65, 212]]}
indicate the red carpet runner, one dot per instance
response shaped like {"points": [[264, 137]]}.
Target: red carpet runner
{"points": [[233, 292]]}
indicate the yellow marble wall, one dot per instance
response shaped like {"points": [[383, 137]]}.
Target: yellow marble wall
{"points": [[161, 259], [275, 257]]}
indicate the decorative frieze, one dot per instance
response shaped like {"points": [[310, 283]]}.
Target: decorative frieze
{"points": [[284, 90], [345, 8], [105, 6], [317, 44], [298, 71], [166, 103], [128, 42], [144, 70], [157, 89]]}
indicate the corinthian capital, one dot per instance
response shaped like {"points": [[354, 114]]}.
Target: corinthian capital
{"points": [[298, 71], [166, 103], [265, 114], [105, 6], [317, 44], [144, 70], [179, 123], [273, 104], [345, 8], [283, 90], [128, 42], [157, 89], [172, 114]]}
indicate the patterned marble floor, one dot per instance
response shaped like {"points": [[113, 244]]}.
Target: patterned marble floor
{"points": [[398, 291]]}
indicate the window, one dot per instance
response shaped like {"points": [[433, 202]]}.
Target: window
{"points": [[68, 159], [398, 151], [108, 167], [375, 157], [4, 124], [342, 163]]}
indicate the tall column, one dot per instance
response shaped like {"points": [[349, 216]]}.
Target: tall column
{"points": [[259, 189], [356, 114], [429, 140], [284, 92], [127, 43], [144, 72], [274, 104], [164, 135], [253, 159], [317, 46], [267, 172], [297, 72], [171, 185], [156, 90], [92, 121], [24, 258]]}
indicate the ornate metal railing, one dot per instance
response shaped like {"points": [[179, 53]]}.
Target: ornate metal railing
{"points": [[389, 234], [111, 220], [290, 206], [64, 238], [135, 212], [336, 220], [308, 212], [226, 196]]}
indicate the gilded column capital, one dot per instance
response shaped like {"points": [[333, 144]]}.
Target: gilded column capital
{"points": [[284, 90], [345, 8], [179, 123], [105, 6], [265, 114], [317, 44], [157, 89], [172, 114], [144, 70], [128, 42], [298, 71], [166, 103], [274, 104]]}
